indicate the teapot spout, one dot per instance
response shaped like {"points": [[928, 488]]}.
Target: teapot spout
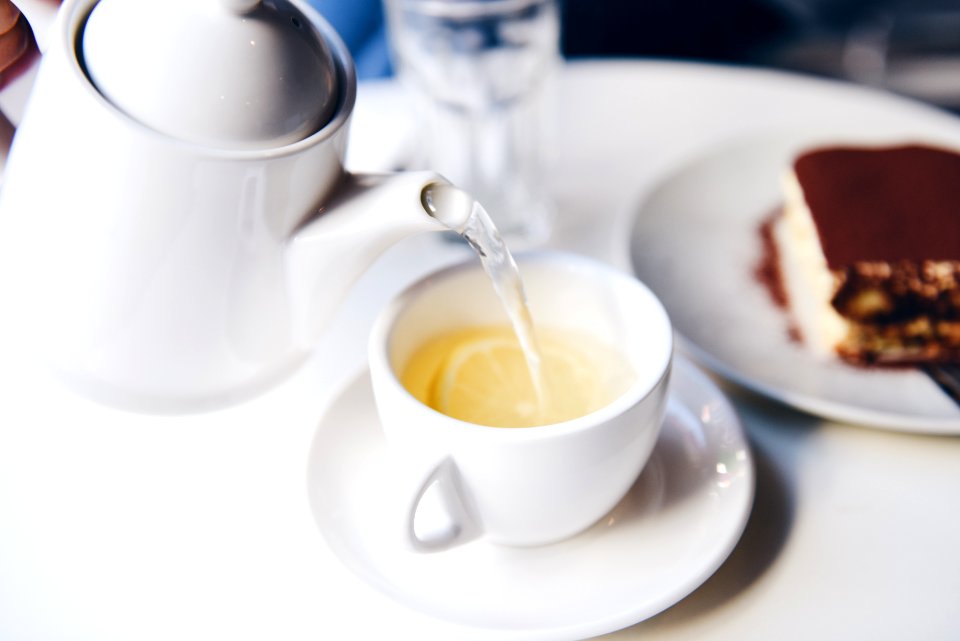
{"points": [[367, 215]]}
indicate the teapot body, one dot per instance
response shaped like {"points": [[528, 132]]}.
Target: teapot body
{"points": [[151, 272]]}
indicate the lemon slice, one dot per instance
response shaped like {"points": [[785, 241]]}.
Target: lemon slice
{"points": [[486, 380]]}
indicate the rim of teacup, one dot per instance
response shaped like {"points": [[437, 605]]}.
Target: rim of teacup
{"points": [[639, 389]]}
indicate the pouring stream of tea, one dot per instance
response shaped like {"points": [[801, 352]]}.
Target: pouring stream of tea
{"points": [[459, 211]]}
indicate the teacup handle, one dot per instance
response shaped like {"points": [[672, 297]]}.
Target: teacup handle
{"points": [[443, 519]]}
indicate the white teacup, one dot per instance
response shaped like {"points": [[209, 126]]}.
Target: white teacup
{"points": [[529, 485]]}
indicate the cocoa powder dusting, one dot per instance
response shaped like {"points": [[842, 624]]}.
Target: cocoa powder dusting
{"points": [[883, 204], [768, 272]]}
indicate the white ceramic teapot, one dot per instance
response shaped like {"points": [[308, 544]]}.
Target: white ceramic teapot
{"points": [[175, 220]]}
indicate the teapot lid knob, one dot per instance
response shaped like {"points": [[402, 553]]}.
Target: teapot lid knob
{"points": [[233, 74]]}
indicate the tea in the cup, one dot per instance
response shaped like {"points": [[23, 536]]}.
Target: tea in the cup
{"points": [[481, 375]]}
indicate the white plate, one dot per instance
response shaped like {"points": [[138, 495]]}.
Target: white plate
{"points": [[676, 526], [696, 244]]}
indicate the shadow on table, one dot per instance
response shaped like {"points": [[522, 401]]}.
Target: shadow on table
{"points": [[775, 434]]}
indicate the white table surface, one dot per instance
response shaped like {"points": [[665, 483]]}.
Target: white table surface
{"points": [[115, 526]]}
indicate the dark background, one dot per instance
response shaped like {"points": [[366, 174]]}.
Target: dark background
{"points": [[908, 46]]}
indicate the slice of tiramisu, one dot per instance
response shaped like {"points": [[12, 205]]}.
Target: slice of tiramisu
{"points": [[870, 250]]}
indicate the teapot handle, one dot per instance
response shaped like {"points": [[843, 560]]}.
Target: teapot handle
{"points": [[13, 96]]}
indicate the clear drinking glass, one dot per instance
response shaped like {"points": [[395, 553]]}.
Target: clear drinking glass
{"points": [[480, 73]]}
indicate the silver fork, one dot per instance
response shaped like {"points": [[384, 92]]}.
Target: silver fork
{"points": [[947, 377]]}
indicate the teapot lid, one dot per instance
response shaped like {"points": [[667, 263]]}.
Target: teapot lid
{"points": [[238, 74]]}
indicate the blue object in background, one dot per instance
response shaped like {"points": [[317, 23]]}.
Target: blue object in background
{"points": [[361, 25]]}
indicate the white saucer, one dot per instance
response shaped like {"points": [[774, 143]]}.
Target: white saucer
{"points": [[679, 522], [696, 243]]}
